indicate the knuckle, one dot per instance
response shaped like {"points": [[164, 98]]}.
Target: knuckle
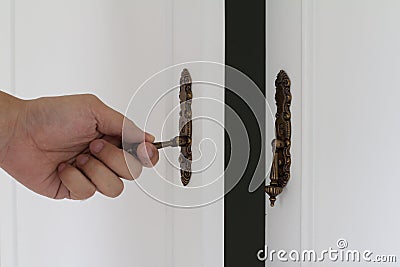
{"points": [[92, 98], [90, 192], [136, 172], [87, 193], [74, 197], [134, 168], [99, 147], [129, 177], [116, 190], [90, 166]]}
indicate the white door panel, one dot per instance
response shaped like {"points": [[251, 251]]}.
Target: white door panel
{"points": [[110, 48], [348, 60]]}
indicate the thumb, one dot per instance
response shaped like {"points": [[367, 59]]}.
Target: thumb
{"points": [[111, 122]]}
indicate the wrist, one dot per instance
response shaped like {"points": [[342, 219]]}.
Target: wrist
{"points": [[10, 109]]}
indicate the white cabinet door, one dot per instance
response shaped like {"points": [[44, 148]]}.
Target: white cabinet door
{"points": [[109, 48], [344, 61]]}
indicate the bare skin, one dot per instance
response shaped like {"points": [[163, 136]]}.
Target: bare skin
{"points": [[70, 146]]}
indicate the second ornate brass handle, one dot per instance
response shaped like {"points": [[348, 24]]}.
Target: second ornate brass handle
{"points": [[280, 169]]}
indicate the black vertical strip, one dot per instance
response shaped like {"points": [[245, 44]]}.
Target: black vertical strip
{"points": [[244, 211]]}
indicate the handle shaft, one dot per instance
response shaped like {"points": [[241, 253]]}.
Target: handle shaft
{"points": [[174, 142]]}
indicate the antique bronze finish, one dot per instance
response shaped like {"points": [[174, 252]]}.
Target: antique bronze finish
{"points": [[184, 140], [185, 126], [280, 169]]}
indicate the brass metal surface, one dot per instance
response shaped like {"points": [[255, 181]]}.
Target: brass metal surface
{"points": [[280, 169], [184, 139], [185, 126]]}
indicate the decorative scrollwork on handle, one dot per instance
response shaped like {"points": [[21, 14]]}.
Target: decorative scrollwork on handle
{"points": [[184, 139], [280, 169], [185, 126]]}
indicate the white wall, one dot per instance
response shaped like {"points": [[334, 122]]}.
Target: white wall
{"points": [[7, 188], [108, 48], [344, 62]]}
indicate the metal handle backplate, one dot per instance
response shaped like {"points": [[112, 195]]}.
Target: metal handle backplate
{"points": [[184, 140], [280, 169]]}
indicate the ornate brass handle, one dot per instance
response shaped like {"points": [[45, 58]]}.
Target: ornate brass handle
{"points": [[280, 169], [184, 140]]}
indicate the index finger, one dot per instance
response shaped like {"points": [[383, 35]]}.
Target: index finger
{"points": [[111, 122]]}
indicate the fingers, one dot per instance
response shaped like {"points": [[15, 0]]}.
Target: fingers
{"points": [[114, 158], [147, 154], [106, 181], [111, 122], [102, 170], [78, 185], [149, 138], [89, 176], [116, 140]]}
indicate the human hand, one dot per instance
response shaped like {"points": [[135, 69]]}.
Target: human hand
{"points": [[70, 147]]}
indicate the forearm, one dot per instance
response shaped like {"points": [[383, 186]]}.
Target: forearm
{"points": [[10, 107]]}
